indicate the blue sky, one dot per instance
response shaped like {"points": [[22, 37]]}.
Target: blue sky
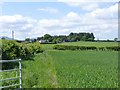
{"points": [[34, 19], [31, 9]]}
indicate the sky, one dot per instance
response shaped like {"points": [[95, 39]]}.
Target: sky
{"points": [[34, 19]]}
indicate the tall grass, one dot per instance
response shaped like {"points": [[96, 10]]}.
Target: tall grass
{"points": [[39, 72], [70, 69], [86, 69], [97, 44]]}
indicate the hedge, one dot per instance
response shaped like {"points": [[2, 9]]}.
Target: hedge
{"points": [[66, 47], [13, 50]]}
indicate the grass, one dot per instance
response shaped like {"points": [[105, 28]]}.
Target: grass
{"points": [[86, 69], [76, 69], [97, 44], [40, 72], [48, 46]]}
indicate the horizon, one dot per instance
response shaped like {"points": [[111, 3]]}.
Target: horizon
{"points": [[34, 19], [11, 38]]}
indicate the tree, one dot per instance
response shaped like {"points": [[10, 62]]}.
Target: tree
{"points": [[72, 37], [115, 39], [77, 38], [92, 36], [71, 34], [3, 38], [34, 40], [39, 38], [47, 37], [27, 39], [84, 38]]}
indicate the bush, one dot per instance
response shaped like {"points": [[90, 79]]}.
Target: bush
{"points": [[12, 50], [66, 47]]}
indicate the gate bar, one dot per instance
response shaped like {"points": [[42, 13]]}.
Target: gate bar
{"points": [[3, 61], [10, 86], [9, 70], [9, 79]]}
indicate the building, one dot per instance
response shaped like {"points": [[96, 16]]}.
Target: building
{"points": [[43, 41]]}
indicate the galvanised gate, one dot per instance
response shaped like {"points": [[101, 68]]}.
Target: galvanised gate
{"points": [[10, 70]]}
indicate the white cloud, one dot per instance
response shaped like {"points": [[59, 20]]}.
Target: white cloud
{"points": [[72, 14], [88, 5], [49, 9], [111, 12], [102, 22], [88, 0], [84, 5], [21, 25]]}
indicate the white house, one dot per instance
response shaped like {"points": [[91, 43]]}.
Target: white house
{"points": [[43, 41]]}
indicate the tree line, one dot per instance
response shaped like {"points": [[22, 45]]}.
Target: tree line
{"points": [[72, 37]]}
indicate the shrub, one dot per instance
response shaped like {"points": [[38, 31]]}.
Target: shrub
{"points": [[9, 49], [12, 50], [66, 47]]}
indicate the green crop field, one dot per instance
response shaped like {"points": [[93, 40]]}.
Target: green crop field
{"points": [[86, 68], [97, 44], [72, 69]]}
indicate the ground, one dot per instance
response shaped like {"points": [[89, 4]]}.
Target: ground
{"points": [[72, 69]]}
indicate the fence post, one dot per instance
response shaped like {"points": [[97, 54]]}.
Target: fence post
{"points": [[20, 68]]}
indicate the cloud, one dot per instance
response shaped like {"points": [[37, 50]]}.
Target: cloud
{"points": [[88, 1], [20, 24], [87, 5], [72, 14], [84, 5], [49, 9], [109, 13], [102, 22]]}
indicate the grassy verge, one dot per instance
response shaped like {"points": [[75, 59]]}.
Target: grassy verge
{"points": [[40, 72]]}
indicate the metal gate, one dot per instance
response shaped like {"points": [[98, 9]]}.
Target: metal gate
{"points": [[10, 70]]}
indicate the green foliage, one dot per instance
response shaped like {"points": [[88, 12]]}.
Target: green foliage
{"points": [[72, 37], [84, 43], [12, 50], [9, 82], [67, 47], [86, 69], [71, 69], [9, 49], [27, 39], [47, 37], [42, 74]]}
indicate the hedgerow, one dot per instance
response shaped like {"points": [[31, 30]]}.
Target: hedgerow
{"points": [[13, 50], [67, 47]]}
